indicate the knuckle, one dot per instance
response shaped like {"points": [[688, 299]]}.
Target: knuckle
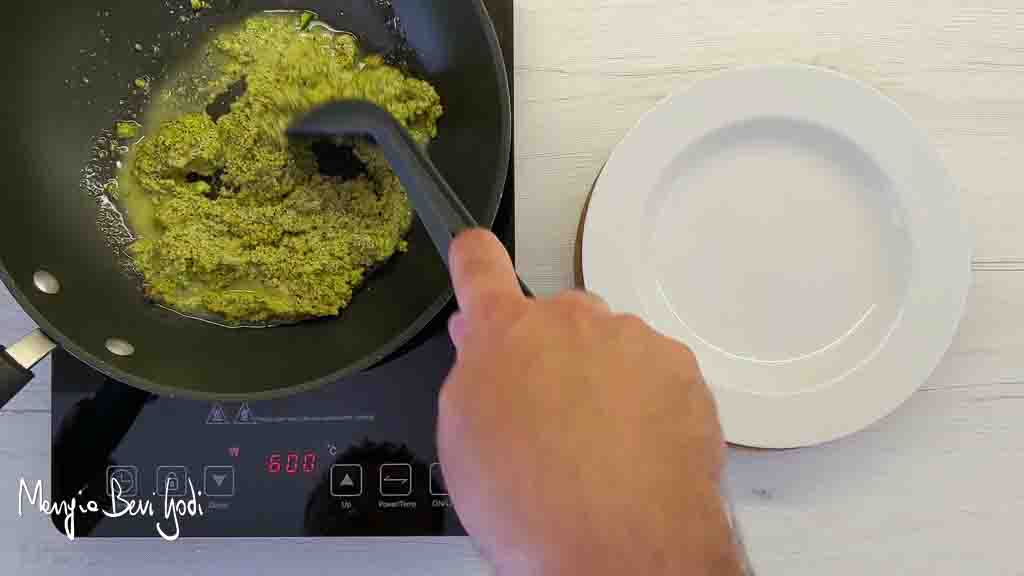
{"points": [[570, 297], [499, 314], [450, 407], [576, 307], [683, 350], [682, 354], [632, 325], [576, 299], [581, 305], [448, 398], [444, 398]]}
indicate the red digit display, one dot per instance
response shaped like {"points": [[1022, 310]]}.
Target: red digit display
{"points": [[291, 463]]}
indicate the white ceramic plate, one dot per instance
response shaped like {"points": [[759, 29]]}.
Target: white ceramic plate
{"points": [[795, 229]]}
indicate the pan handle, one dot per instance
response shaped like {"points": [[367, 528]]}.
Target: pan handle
{"points": [[16, 363]]}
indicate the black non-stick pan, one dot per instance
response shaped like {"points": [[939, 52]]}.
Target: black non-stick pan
{"points": [[68, 65]]}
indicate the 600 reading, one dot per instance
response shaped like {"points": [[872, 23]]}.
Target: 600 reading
{"points": [[291, 463]]}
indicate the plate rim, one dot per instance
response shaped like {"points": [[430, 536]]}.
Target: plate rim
{"points": [[597, 265]]}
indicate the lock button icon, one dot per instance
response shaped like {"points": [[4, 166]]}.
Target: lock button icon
{"points": [[171, 481]]}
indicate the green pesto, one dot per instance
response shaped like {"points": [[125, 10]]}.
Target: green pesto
{"points": [[236, 221], [126, 130]]}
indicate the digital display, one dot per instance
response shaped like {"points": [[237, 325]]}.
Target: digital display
{"points": [[291, 463]]}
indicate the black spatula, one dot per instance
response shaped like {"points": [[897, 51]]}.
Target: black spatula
{"points": [[440, 210]]}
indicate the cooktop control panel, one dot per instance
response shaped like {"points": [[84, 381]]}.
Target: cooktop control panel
{"points": [[355, 459]]}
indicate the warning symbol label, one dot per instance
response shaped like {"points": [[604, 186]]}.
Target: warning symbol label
{"points": [[244, 415], [217, 415]]}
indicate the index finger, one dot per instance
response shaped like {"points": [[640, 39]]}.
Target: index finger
{"points": [[485, 279]]}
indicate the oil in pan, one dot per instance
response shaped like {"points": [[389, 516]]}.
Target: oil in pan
{"points": [[174, 86], [111, 147]]}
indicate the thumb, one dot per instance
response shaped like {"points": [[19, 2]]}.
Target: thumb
{"points": [[485, 279]]}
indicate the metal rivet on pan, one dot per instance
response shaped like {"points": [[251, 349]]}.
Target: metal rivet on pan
{"points": [[45, 282], [119, 347]]}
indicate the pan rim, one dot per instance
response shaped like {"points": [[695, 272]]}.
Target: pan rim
{"points": [[112, 371]]}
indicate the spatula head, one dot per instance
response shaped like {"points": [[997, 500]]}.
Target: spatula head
{"points": [[344, 118], [439, 208]]}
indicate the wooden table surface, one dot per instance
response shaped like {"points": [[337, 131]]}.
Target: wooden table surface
{"points": [[938, 488]]}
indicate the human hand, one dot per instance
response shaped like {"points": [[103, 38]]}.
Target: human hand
{"points": [[574, 440]]}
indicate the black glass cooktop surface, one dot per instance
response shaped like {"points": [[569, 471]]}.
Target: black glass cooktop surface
{"points": [[357, 458]]}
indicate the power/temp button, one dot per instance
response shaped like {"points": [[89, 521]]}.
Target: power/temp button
{"points": [[396, 480]]}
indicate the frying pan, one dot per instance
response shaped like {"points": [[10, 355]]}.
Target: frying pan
{"points": [[68, 66]]}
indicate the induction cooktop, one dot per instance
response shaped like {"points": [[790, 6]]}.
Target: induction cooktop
{"points": [[356, 458]]}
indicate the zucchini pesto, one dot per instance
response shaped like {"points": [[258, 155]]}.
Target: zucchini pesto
{"points": [[233, 219]]}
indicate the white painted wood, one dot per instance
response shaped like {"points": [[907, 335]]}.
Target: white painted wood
{"points": [[935, 488], [586, 70], [989, 348]]}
